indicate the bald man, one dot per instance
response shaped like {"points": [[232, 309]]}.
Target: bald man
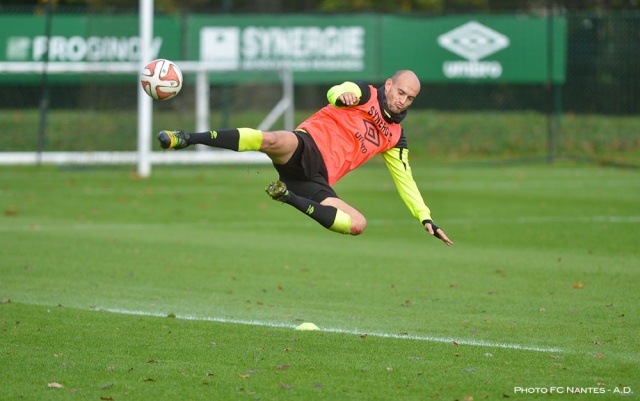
{"points": [[359, 122]]}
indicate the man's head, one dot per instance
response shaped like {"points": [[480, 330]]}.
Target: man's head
{"points": [[400, 90]]}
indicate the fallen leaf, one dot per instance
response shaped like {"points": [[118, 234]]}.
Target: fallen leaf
{"points": [[11, 210], [577, 285], [599, 356], [286, 386], [406, 303], [282, 367], [244, 376], [55, 385]]}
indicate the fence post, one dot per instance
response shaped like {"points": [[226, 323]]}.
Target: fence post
{"points": [[44, 99]]}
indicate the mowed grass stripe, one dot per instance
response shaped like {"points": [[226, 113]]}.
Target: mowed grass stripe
{"points": [[271, 223]]}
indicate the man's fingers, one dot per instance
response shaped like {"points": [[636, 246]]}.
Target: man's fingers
{"points": [[440, 234], [437, 232], [349, 99]]}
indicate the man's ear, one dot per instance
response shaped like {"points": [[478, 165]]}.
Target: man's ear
{"points": [[387, 84]]}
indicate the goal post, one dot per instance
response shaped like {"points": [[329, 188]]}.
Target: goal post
{"points": [[143, 156]]}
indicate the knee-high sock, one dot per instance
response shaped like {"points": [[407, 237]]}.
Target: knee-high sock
{"points": [[240, 139], [329, 217]]}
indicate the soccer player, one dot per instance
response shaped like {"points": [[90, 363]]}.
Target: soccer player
{"points": [[360, 122]]}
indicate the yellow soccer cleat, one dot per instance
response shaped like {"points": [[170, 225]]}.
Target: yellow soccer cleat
{"points": [[277, 191], [173, 139]]}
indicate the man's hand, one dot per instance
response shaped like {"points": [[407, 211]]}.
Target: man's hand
{"points": [[437, 232], [348, 99]]}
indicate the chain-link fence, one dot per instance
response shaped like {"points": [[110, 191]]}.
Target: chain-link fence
{"points": [[593, 115]]}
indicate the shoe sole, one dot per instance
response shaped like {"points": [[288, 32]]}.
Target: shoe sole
{"points": [[277, 191]]}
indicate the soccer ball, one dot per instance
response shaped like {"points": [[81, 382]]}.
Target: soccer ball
{"points": [[161, 79]]}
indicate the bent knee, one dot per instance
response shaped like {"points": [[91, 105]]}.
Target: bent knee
{"points": [[358, 226], [269, 141]]}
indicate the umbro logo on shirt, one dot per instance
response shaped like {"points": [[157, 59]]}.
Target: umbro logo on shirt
{"points": [[371, 134]]}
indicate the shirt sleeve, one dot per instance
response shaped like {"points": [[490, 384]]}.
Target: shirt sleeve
{"points": [[358, 88], [397, 162]]}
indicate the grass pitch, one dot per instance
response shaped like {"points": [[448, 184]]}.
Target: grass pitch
{"points": [[188, 285]]}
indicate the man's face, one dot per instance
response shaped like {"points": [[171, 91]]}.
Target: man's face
{"points": [[401, 93]]}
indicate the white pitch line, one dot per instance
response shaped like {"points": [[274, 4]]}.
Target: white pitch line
{"points": [[339, 331]]}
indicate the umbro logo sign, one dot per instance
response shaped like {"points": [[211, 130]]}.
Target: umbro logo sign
{"points": [[474, 42]]}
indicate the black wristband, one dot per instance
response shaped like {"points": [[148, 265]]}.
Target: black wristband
{"points": [[435, 228]]}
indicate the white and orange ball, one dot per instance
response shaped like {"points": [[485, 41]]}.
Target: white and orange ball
{"points": [[161, 79]]}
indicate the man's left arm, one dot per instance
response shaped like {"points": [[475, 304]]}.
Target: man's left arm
{"points": [[397, 162]]}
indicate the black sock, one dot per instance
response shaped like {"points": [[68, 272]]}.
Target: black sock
{"points": [[225, 138], [325, 215]]}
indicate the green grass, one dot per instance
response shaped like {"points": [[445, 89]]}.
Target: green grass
{"points": [[438, 135], [188, 285]]}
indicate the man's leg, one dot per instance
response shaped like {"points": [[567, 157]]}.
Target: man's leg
{"points": [[357, 220], [278, 145], [332, 213]]}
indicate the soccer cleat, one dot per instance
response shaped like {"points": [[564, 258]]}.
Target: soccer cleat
{"points": [[277, 191], [173, 139]]}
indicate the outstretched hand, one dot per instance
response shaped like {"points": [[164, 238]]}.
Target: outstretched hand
{"points": [[437, 232]]}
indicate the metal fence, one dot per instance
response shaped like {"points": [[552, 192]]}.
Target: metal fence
{"points": [[603, 65]]}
